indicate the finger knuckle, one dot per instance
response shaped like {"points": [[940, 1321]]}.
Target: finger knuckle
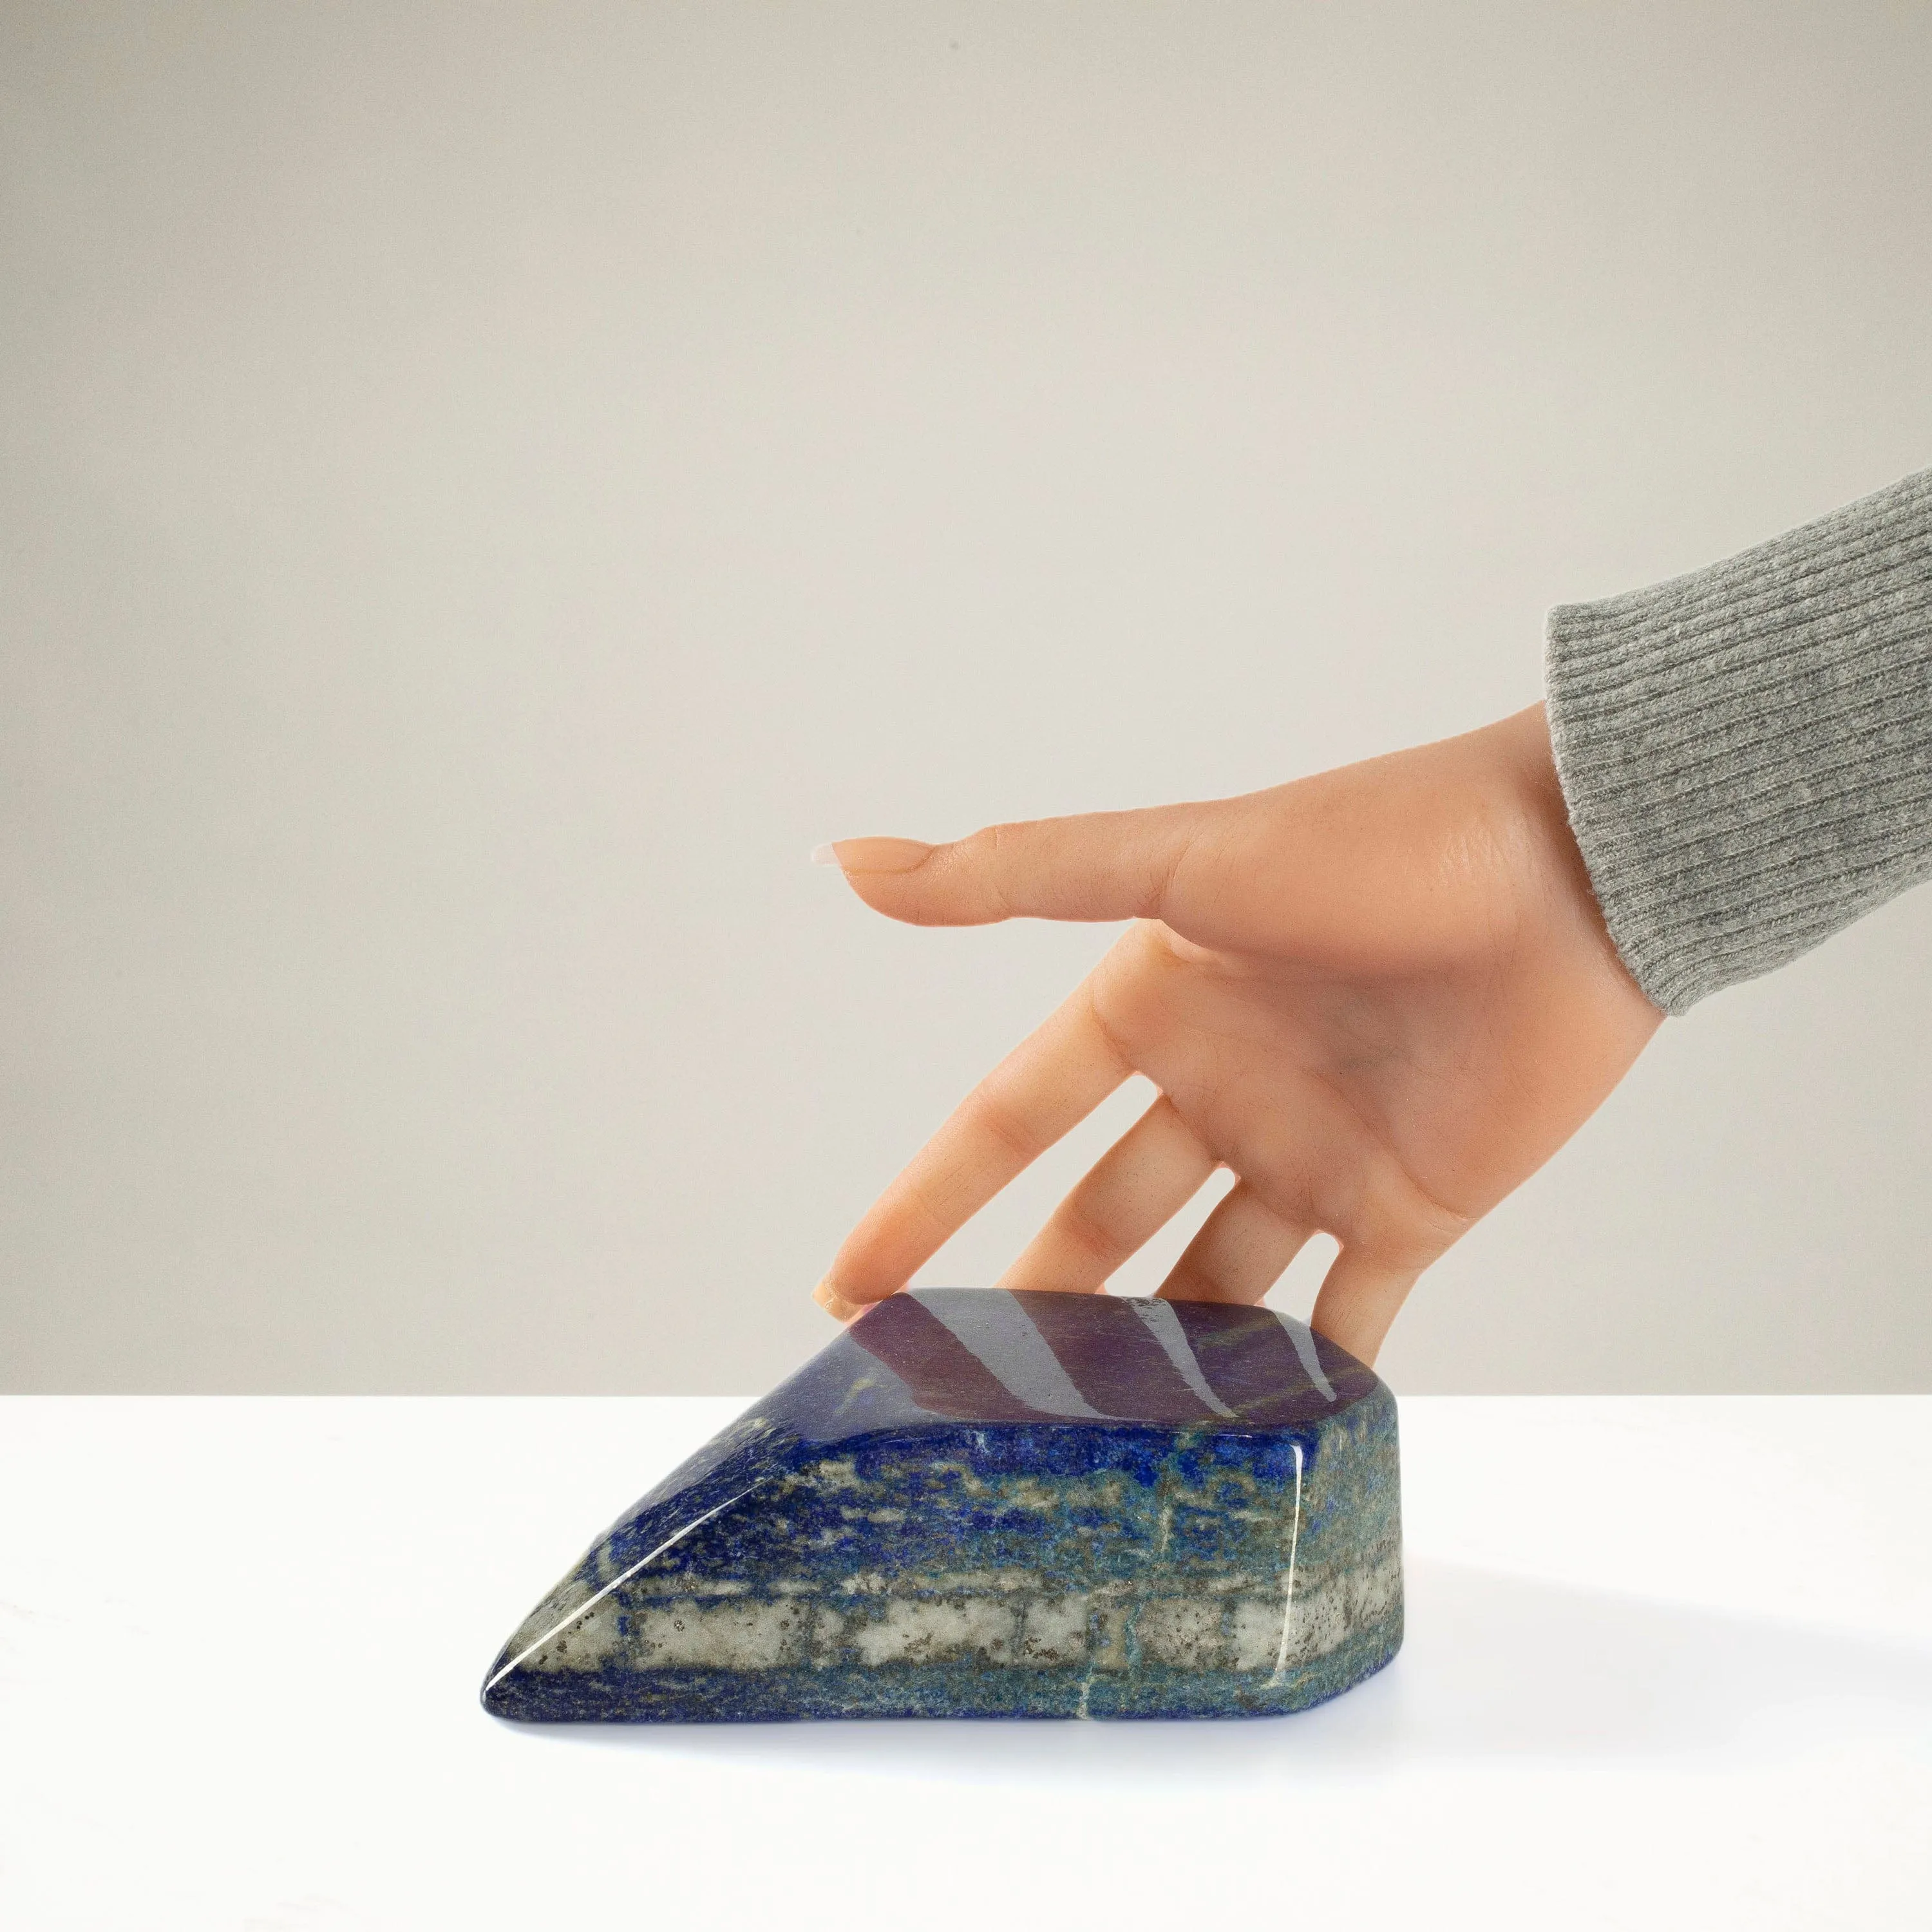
{"points": [[1005, 1127], [1077, 1223]]}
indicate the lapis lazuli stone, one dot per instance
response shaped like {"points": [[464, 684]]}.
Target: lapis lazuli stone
{"points": [[979, 1503]]}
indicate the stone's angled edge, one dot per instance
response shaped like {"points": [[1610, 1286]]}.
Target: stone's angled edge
{"points": [[980, 1503]]}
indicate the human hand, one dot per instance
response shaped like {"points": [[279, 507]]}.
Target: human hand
{"points": [[1383, 996]]}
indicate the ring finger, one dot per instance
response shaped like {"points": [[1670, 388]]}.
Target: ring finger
{"points": [[1238, 1255]]}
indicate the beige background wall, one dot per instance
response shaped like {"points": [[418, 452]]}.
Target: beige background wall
{"points": [[483, 491]]}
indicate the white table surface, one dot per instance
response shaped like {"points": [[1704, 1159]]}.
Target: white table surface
{"points": [[1669, 1663]]}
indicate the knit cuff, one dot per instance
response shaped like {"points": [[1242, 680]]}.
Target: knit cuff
{"points": [[1746, 752]]}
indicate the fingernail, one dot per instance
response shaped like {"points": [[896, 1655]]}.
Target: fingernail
{"points": [[834, 1303], [873, 855]]}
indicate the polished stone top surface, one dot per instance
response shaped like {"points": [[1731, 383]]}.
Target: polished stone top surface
{"points": [[1005, 1355]]}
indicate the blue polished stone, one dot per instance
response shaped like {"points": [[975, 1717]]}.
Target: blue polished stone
{"points": [[979, 1503]]}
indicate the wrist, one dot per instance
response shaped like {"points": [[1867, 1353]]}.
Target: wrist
{"points": [[1526, 737]]}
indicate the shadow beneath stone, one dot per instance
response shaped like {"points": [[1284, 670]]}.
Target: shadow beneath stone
{"points": [[1496, 1667]]}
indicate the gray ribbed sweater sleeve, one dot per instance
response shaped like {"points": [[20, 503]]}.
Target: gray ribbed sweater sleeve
{"points": [[1746, 751]]}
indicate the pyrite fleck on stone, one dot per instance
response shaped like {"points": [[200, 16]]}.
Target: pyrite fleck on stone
{"points": [[977, 1503]]}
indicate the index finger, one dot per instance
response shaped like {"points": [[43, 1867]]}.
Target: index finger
{"points": [[1096, 865], [1045, 1087]]}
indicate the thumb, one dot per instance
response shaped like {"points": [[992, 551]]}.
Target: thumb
{"points": [[1100, 865]]}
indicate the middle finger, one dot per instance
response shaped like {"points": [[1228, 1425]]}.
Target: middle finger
{"points": [[1148, 1174]]}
